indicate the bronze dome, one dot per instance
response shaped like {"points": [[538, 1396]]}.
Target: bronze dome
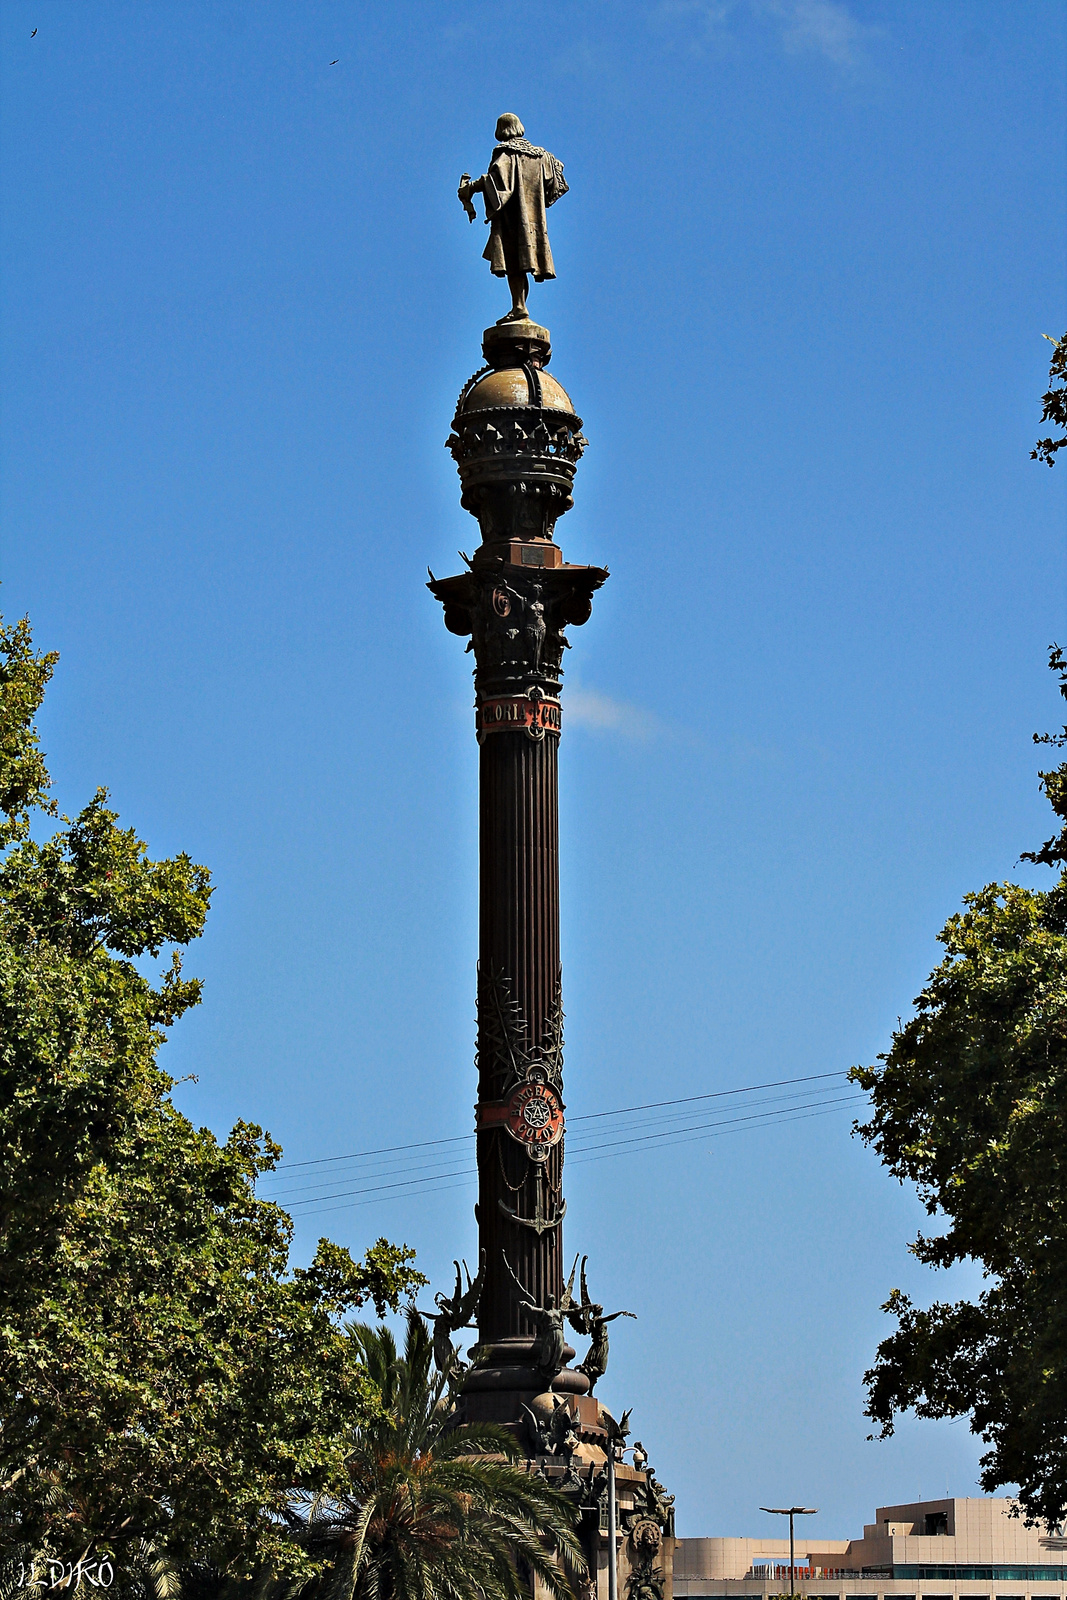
{"points": [[516, 386]]}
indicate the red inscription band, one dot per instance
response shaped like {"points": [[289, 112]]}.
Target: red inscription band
{"points": [[533, 1115], [490, 1114], [517, 714]]}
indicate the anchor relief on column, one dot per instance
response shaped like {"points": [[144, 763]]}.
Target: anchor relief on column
{"points": [[520, 1096]]}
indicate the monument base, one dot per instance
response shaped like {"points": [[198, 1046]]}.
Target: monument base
{"points": [[565, 1433]]}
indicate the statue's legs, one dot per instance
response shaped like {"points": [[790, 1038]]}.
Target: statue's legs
{"points": [[519, 284]]}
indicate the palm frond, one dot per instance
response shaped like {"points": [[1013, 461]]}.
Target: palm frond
{"points": [[433, 1507]]}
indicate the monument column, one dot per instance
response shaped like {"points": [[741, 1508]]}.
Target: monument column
{"points": [[517, 440]]}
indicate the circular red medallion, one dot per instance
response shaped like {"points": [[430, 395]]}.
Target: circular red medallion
{"points": [[534, 1115]]}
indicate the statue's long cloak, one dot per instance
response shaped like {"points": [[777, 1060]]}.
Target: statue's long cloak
{"points": [[522, 182]]}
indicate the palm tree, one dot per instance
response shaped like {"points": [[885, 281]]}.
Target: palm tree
{"points": [[436, 1509]]}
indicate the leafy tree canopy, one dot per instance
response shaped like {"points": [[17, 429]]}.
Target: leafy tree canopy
{"points": [[1054, 403], [970, 1104], [165, 1380]]}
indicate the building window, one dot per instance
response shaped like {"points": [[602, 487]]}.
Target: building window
{"points": [[949, 1572]]}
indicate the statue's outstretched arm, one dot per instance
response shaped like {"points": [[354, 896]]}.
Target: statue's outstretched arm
{"points": [[468, 187]]}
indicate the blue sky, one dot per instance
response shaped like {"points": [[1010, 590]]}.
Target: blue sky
{"points": [[807, 258]]}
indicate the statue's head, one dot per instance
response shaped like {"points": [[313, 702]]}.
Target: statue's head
{"points": [[509, 127], [550, 1302]]}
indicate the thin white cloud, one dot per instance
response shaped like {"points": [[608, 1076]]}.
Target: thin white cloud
{"points": [[821, 27], [825, 26], [588, 708], [706, 22], [710, 13]]}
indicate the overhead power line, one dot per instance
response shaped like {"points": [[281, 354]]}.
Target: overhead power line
{"points": [[652, 1105], [576, 1143], [468, 1181], [719, 1094], [462, 1176]]}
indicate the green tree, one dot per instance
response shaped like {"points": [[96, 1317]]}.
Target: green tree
{"points": [[1054, 403], [1053, 853], [165, 1380], [434, 1506], [970, 1104]]}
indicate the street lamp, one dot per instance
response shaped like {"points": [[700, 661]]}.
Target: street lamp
{"points": [[613, 1570], [616, 1449], [791, 1512]]}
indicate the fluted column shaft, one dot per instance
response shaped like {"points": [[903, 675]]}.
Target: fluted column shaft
{"points": [[518, 947]]}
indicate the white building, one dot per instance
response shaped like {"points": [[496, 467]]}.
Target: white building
{"points": [[932, 1550]]}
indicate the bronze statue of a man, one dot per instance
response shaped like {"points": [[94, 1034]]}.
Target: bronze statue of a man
{"points": [[522, 182]]}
